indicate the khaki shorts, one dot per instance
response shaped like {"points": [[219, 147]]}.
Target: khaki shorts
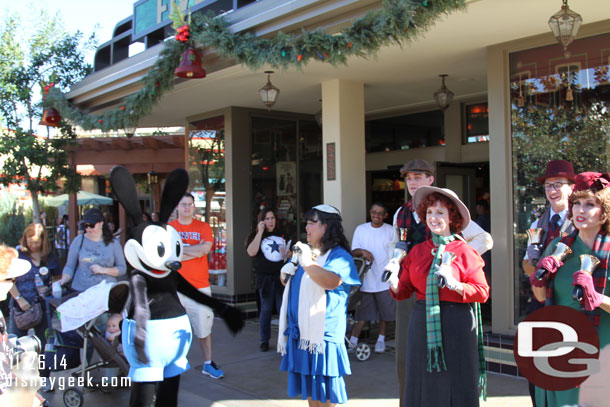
{"points": [[376, 307], [201, 316]]}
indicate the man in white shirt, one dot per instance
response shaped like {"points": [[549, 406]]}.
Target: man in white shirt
{"points": [[371, 241]]}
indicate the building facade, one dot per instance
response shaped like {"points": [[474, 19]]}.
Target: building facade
{"points": [[520, 100]]}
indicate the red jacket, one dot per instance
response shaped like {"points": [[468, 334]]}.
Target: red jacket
{"points": [[467, 268]]}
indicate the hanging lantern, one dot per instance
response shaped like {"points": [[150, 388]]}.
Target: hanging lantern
{"points": [[50, 118], [190, 66], [565, 24], [269, 93], [443, 96]]}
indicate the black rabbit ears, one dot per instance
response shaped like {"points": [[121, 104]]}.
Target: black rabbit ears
{"points": [[124, 187]]}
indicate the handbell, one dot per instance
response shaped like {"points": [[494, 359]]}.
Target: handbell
{"points": [[588, 263], [561, 251], [446, 260], [296, 250], [403, 234], [399, 253], [534, 236]]}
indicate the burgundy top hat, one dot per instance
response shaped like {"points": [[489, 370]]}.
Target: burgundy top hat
{"points": [[558, 168]]}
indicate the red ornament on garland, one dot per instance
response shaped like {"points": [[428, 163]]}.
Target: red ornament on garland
{"points": [[190, 66], [299, 57], [183, 33], [50, 118]]}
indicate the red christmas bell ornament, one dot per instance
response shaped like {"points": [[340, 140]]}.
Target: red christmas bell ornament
{"points": [[50, 118], [190, 67]]}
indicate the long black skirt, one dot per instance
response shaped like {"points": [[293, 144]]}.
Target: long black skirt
{"points": [[458, 385]]}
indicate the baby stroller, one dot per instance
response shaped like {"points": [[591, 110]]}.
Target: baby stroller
{"points": [[74, 343], [363, 349]]}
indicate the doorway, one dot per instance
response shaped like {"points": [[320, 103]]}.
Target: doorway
{"points": [[470, 181]]}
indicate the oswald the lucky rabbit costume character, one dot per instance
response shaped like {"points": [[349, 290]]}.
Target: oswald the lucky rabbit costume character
{"points": [[157, 333]]}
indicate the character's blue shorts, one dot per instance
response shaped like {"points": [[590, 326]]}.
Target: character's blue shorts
{"points": [[167, 344]]}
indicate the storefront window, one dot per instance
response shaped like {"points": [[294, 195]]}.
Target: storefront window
{"points": [[286, 170], [560, 109], [405, 132], [207, 184], [476, 123]]}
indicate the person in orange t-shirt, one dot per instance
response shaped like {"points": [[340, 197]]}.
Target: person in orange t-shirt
{"points": [[197, 239]]}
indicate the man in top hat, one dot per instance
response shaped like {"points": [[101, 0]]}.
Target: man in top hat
{"points": [[410, 230], [558, 181]]}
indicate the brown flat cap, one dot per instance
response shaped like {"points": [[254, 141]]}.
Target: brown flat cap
{"points": [[417, 165]]}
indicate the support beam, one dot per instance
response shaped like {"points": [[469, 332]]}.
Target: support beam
{"points": [[344, 177]]}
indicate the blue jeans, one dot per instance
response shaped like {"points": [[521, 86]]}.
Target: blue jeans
{"points": [[270, 291]]}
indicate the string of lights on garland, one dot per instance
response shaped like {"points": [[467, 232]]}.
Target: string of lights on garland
{"points": [[397, 22]]}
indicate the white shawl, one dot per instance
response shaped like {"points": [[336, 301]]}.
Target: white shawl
{"points": [[312, 312]]}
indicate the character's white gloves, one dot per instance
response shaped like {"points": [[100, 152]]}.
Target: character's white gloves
{"points": [[287, 271], [305, 255], [393, 267], [451, 282]]}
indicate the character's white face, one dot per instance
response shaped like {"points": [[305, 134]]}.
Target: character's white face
{"points": [[159, 253]]}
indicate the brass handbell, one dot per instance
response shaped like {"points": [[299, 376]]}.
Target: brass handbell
{"points": [[403, 234], [561, 251], [446, 260], [534, 236], [588, 263]]}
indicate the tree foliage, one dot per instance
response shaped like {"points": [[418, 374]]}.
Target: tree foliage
{"points": [[29, 61], [579, 134], [207, 151]]}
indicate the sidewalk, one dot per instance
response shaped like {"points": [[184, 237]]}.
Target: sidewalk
{"points": [[253, 379]]}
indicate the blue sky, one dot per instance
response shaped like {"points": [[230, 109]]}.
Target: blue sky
{"points": [[85, 15]]}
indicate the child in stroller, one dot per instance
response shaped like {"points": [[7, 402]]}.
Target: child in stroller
{"points": [[74, 343]]}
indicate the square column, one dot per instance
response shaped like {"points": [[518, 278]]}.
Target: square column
{"points": [[344, 177]]}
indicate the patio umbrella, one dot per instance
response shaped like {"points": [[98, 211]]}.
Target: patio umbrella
{"points": [[82, 198]]}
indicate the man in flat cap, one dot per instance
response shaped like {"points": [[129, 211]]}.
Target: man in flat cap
{"points": [[409, 231]]}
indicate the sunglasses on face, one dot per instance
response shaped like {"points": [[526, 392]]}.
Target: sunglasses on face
{"points": [[89, 225]]}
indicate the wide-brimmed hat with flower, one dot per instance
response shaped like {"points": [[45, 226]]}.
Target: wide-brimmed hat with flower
{"points": [[423, 192], [17, 268]]}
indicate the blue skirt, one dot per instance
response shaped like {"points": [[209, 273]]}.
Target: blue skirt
{"points": [[316, 375]]}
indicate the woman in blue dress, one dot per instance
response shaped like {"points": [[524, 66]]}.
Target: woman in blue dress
{"points": [[313, 317]]}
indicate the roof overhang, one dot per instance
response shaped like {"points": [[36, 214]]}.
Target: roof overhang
{"points": [[396, 79]]}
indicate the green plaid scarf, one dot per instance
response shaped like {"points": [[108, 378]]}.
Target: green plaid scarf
{"points": [[476, 307], [436, 358]]}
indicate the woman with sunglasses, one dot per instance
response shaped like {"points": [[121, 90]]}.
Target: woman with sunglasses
{"points": [[94, 255]]}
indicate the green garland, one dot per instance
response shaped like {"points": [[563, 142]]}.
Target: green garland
{"points": [[398, 21]]}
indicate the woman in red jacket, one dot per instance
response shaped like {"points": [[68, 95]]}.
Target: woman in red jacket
{"points": [[445, 363]]}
